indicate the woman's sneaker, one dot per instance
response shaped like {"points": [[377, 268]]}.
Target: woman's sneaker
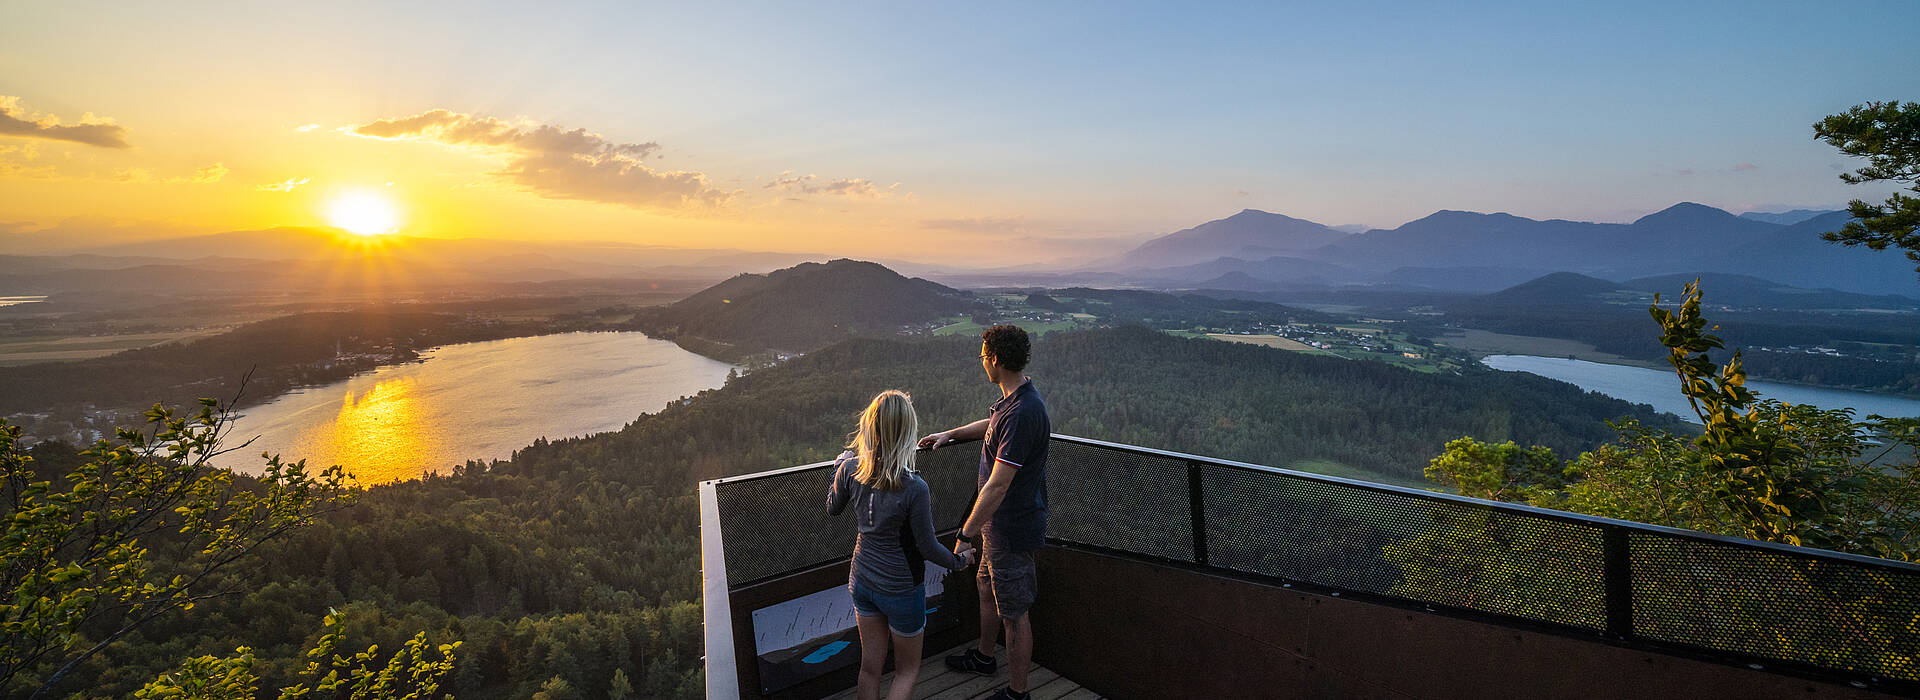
{"points": [[971, 661]]}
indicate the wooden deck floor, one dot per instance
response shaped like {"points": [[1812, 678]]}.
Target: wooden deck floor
{"points": [[938, 683]]}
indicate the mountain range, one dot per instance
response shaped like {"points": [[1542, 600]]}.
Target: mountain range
{"points": [[1476, 253]]}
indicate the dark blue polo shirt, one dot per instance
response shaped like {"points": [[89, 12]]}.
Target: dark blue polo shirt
{"points": [[1017, 434]]}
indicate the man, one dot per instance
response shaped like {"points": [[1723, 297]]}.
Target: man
{"points": [[1009, 518]]}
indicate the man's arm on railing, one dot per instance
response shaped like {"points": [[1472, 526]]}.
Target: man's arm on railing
{"points": [[976, 430]]}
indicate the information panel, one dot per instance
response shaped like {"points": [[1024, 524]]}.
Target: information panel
{"points": [[803, 638]]}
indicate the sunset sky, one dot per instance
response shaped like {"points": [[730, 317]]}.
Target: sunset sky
{"points": [[919, 130]]}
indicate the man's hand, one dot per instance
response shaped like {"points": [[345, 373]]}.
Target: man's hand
{"points": [[935, 441], [968, 555]]}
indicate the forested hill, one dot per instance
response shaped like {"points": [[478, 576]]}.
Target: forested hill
{"points": [[801, 308], [579, 558]]}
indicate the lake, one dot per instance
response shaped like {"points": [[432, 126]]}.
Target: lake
{"points": [[1661, 389], [473, 401]]}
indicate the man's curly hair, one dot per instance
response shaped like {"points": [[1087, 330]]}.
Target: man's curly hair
{"points": [[1008, 345]]}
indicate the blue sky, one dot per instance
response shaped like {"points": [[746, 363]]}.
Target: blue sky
{"points": [[1055, 119]]}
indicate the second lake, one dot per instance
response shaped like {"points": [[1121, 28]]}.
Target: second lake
{"points": [[1661, 389]]}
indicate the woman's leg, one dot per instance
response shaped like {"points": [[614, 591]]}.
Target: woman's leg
{"points": [[906, 664], [873, 654]]}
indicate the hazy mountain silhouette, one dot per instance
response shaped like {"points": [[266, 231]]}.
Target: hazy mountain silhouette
{"points": [[802, 308], [1796, 255], [1274, 272], [1558, 289], [1251, 234], [1565, 289], [1786, 218], [1475, 252], [1751, 292]]}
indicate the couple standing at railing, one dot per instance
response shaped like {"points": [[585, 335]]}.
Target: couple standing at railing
{"points": [[894, 510]]}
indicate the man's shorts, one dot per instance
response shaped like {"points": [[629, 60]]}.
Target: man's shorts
{"points": [[906, 614], [1013, 580]]}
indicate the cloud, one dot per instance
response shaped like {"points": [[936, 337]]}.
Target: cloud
{"points": [[286, 186], [1241, 193], [211, 173], [852, 188], [203, 175], [92, 130], [305, 128], [1743, 167], [560, 163]]}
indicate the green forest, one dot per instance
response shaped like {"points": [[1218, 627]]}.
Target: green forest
{"points": [[576, 559]]}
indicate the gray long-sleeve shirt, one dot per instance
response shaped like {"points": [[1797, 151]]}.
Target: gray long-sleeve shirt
{"points": [[883, 519]]}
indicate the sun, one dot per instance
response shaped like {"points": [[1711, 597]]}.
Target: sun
{"points": [[364, 213]]}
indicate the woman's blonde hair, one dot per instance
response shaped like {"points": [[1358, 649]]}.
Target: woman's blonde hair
{"points": [[885, 441]]}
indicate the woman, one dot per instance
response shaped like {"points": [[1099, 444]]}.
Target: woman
{"points": [[895, 513]]}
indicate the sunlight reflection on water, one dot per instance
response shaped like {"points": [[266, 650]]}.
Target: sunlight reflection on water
{"points": [[473, 401]]}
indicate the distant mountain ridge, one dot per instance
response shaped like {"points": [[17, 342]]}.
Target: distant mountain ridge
{"points": [[1456, 250], [1563, 289], [1786, 218], [801, 308], [1251, 234]]}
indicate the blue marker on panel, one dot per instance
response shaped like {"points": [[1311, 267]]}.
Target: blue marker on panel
{"points": [[825, 652]]}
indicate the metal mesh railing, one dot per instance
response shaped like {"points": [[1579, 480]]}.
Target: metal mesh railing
{"points": [[1635, 583], [777, 523]]}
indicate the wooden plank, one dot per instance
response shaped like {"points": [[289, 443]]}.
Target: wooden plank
{"points": [[937, 682], [1053, 690], [980, 686]]}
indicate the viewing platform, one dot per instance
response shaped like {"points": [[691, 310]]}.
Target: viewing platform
{"points": [[1170, 575]]}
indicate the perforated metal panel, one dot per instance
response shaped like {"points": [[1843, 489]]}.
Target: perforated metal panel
{"points": [[1134, 502], [1436, 551], [1824, 612], [778, 524]]}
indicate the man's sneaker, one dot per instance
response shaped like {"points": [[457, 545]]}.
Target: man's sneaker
{"points": [[1008, 694], [971, 661]]}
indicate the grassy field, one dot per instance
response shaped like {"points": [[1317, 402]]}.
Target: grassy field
{"points": [[23, 351], [1481, 342], [1271, 341]]}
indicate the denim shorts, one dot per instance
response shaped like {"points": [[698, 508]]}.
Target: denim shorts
{"points": [[906, 613]]}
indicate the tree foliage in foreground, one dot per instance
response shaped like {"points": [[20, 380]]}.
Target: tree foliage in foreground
{"points": [[1887, 134], [1761, 469], [141, 529]]}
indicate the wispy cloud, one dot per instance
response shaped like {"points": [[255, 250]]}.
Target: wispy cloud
{"points": [[285, 186], [561, 163], [92, 130], [304, 128], [204, 175], [1744, 167], [852, 188]]}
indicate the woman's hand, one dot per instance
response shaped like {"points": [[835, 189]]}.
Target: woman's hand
{"points": [[935, 441]]}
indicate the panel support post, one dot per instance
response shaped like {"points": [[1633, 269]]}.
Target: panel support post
{"points": [[1617, 573], [1196, 506]]}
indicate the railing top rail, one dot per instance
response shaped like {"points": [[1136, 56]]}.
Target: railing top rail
{"points": [[815, 465], [1561, 515]]}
